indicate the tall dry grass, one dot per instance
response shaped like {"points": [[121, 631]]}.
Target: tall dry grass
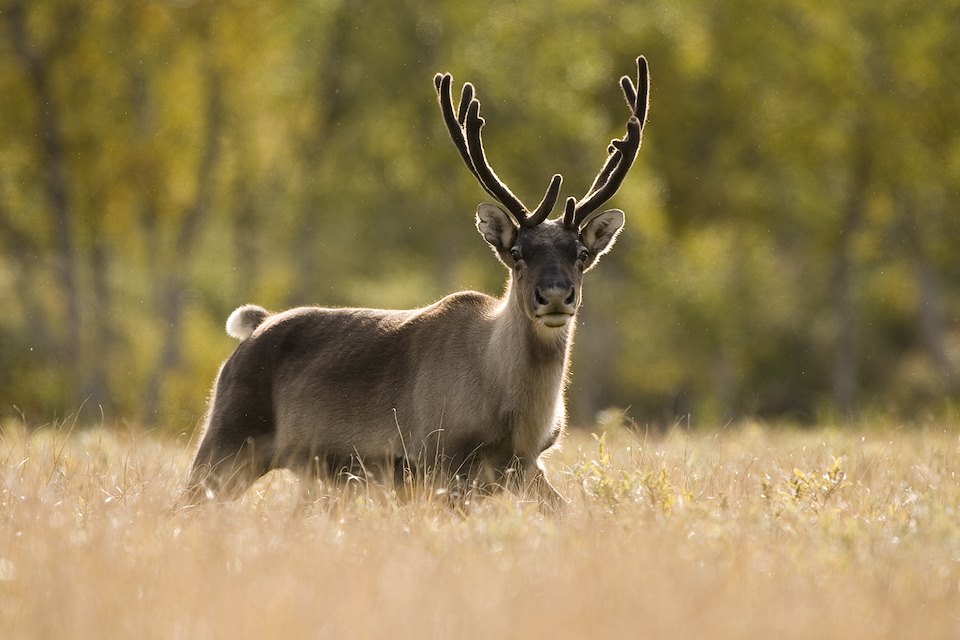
{"points": [[747, 532]]}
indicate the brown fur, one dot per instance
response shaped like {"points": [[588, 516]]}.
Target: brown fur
{"points": [[470, 387]]}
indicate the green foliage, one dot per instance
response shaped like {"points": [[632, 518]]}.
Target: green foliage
{"points": [[614, 484], [790, 240], [815, 489]]}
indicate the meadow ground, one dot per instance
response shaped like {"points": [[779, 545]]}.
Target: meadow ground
{"points": [[744, 532]]}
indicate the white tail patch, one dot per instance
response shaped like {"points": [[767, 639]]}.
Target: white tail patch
{"points": [[242, 322]]}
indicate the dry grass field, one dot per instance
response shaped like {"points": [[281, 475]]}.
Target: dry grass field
{"points": [[742, 532]]}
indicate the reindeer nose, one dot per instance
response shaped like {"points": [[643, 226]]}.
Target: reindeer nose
{"points": [[555, 296]]}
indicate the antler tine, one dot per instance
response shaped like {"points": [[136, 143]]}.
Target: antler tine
{"points": [[629, 91], [466, 97], [569, 210], [622, 152], [488, 178], [549, 201], [638, 96], [443, 84], [612, 158], [626, 149], [642, 100]]}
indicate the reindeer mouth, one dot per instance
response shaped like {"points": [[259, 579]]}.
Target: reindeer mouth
{"points": [[554, 320]]}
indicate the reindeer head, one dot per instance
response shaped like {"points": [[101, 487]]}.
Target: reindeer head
{"points": [[547, 257]]}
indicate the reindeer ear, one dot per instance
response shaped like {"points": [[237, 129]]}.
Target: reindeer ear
{"points": [[497, 228], [599, 234]]}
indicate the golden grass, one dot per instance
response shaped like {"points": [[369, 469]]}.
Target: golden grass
{"points": [[744, 533]]}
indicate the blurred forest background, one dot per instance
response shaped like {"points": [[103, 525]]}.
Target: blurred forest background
{"points": [[792, 226]]}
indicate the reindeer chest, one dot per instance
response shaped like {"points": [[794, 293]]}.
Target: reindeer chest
{"points": [[530, 433], [507, 430], [529, 419], [530, 408]]}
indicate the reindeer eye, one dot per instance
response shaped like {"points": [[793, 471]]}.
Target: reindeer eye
{"points": [[515, 255], [584, 254]]}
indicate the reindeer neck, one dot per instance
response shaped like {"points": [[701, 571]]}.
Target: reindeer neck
{"points": [[531, 360]]}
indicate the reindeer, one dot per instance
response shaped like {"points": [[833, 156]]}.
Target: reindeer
{"points": [[471, 386]]}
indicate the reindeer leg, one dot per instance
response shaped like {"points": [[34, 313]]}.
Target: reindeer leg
{"points": [[527, 478]]}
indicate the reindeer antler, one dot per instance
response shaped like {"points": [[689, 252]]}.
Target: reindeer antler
{"points": [[622, 152], [465, 127]]}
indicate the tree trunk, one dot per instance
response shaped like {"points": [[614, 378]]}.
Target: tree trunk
{"points": [[330, 107], [845, 374], [36, 64], [931, 322], [102, 337], [173, 279]]}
